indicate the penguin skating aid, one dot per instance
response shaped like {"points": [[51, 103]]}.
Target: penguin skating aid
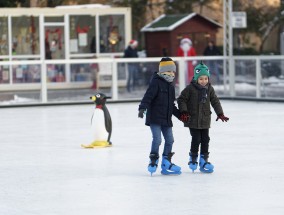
{"points": [[101, 123]]}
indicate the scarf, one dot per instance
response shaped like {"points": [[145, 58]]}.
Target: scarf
{"points": [[202, 91], [168, 78]]}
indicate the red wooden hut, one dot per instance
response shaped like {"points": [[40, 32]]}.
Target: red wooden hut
{"points": [[163, 35]]}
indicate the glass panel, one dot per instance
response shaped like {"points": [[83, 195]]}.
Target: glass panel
{"points": [[54, 42], [54, 19], [4, 36], [4, 74], [272, 78], [134, 82], [82, 72], [26, 73], [217, 76], [215, 67], [25, 35], [56, 73], [20, 97], [245, 83], [112, 33], [82, 34], [90, 79]]}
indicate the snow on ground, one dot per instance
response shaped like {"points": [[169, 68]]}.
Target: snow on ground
{"points": [[45, 172]]}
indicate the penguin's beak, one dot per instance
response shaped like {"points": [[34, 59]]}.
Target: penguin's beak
{"points": [[93, 98]]}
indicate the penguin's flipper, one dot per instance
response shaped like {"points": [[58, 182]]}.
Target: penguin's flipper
{"points": [[108, 122]]}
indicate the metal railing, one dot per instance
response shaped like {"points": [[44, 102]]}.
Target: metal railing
{"points": [[253, 77]]}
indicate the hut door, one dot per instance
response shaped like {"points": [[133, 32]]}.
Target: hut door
{"points": [[164, 49]]}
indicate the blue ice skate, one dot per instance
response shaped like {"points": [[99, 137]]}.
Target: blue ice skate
{"points": [[154, 160], [193, 161], [169, 168], [204, 165]]}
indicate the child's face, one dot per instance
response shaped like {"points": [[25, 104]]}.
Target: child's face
{"points": [[169, 73], [203, 80]]}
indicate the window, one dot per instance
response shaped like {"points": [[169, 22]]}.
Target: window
{"points": [[112, 38], [4, 36], [82, 34], [25, 35]]}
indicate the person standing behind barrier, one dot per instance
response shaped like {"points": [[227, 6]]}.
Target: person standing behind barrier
{"points": [[131, 52], [212, 50], [186, 50], [95, 75]]}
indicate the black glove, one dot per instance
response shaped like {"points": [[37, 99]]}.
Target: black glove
{"points": [[184, 117], [141, 113], [222, 117]]}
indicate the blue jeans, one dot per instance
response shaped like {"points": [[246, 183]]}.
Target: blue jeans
{"points": [[157, 139], [132, 77]]}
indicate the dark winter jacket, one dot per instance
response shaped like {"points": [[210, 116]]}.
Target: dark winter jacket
{"points": [[159, 102], [200, 113], [211, 51], [130, 52]]}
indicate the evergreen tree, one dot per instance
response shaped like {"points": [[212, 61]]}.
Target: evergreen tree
{"points": [[11, 3], [178, 7]]}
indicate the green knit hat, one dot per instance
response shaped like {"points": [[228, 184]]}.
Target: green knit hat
{"points": [[201, 69]]}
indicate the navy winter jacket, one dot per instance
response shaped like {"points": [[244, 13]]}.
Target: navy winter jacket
{"points": [[159, 102], [130, 52]]}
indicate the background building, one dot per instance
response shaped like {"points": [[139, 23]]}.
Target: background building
{"points": [[163, 35]]}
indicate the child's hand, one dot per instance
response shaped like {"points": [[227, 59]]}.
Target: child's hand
{"points": [[141, 113], [222, 117], [184, 117]]}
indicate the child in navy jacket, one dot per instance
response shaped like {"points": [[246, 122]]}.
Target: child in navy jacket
{"points": [[158, 105]]}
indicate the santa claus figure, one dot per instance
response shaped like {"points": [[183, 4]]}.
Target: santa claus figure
{"points": [[186, 50]]}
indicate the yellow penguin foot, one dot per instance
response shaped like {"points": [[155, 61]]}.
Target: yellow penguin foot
{"points": [[97, 144]]}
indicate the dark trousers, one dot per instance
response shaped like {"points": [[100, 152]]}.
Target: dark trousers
{"points": [[199, 136]]}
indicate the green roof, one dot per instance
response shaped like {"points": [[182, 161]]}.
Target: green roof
{"points": [[167, 21]]}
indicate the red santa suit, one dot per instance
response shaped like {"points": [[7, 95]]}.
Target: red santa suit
{"points": [[186, 50]]}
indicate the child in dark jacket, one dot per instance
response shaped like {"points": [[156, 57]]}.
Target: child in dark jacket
{"points": [[194, 104], [158, 102]]}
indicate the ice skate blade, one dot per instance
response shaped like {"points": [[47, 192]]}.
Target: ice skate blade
{"points": [[166, 172], [151, 173], [192, 167], [152, 169]]}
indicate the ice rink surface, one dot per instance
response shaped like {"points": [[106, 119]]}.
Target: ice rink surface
{"points": [[44, 171]]}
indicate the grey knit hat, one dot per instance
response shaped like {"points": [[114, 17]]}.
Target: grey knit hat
{"points": [[166, 65]]}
